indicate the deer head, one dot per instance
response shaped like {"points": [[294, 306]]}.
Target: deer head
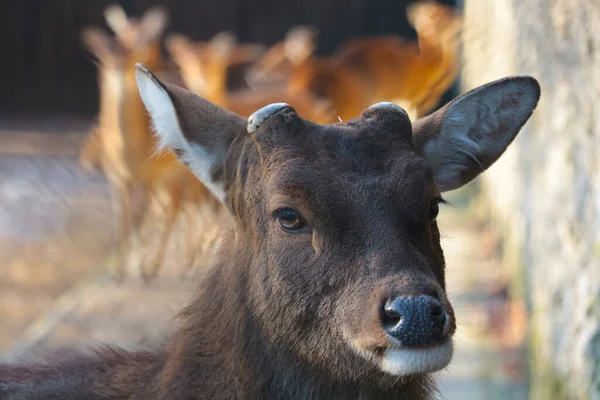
{"points": [[336, 224], [134, 33], [134, 40], [433, 19], [277, 64]]}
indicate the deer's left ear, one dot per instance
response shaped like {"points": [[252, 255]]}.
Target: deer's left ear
{"points": [[153, 24], [465, 137], [198, 131]]}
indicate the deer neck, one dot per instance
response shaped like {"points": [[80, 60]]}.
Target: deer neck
{"points": [[216, 91], [223, 353], [111, 97], [134, 124]]}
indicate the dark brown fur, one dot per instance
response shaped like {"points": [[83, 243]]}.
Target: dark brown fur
{"points": [[277, 314]]}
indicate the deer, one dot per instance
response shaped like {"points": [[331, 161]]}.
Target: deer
{"points": [[291, 66], [277, 64], [212, 67], [124, 146], [375, 68], [205, 67], [329, 281], [131, 35], [107, 146], [438, 28]]}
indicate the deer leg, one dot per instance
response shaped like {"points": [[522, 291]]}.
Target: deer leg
{"points": [[142, 220], [142, 213], [121, 194], [153, 208]]}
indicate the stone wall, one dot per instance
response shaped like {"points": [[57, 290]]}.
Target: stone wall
{"points": [[545, 191]]}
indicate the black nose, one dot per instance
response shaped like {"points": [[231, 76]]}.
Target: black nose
{"points": [[415, 321]]}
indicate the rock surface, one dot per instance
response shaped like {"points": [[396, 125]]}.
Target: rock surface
{"points": [[546, 189]]}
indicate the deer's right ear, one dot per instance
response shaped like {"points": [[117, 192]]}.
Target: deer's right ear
{"points": [[97, 42], [153, 23], [198, 131], [116, 19]]}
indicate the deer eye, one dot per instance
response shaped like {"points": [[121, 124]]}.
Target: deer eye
{"points": [[434, 210], [289, 220]]}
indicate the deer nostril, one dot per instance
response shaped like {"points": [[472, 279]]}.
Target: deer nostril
{"points": [[437, 311], [391, 316]]}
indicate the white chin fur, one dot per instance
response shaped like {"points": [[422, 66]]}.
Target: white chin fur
{"points": [[401, 362]]}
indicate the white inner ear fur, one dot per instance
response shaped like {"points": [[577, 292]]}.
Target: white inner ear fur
{"points": [[477, 125], [165, 124]]}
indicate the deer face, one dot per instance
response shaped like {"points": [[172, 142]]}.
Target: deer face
{"points": [[351, 257], [134, 41], [337, 223], [203, 64]]}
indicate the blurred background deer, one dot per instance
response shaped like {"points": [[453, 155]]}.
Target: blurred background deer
{"points": [[206, 68], [142, 178], [243, 77], [362, 71]]}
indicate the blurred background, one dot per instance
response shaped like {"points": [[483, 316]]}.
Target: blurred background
{"points": [[100, 236]]}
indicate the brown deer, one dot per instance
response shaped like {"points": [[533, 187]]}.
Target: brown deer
{"points": [[329, 282], [107, 145], [377, 68], [123, 144], [204, 68], [438, 29], [211, 67], [276, 65]]}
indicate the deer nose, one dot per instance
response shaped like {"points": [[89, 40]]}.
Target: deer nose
{"points": [[415, 321]]}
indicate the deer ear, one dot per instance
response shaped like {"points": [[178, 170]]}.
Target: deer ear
{"points": [[98, 42], [153, 24], [116, 18], [299, 43], [465, 137], [181, 48], [198, 131]]}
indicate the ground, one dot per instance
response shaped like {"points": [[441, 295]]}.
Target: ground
{"points": [[57, 231]]}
